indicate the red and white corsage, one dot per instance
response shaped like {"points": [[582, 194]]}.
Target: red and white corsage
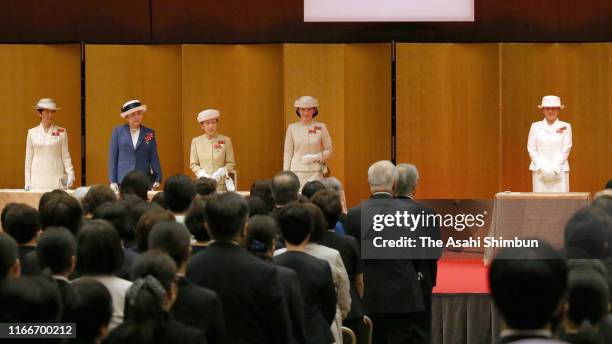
{"points": [[561, 130], [148, 138]]}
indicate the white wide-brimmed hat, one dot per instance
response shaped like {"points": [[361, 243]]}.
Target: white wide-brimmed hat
{"points": [[46, 103], [208, 114], [551, 102], [306, 102], [131, 107]]}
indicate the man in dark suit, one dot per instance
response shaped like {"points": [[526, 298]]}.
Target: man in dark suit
{"points": [[527, 286], [392, 295], [195, 306], [314, 275], [133, 147], [407, 180], [249, 288]]}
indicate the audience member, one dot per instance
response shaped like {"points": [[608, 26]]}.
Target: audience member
{"points": [[90, 308], [135, 183], [195, 220], [179, 191], [195, 306], [100, 256], [527, 286], [9, 258], [148, 303], [22, 223], [97, 195], [245, 284]]}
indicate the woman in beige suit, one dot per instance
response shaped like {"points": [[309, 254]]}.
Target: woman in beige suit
{"points": [[212, 154], [307, 143], [47, 160]]}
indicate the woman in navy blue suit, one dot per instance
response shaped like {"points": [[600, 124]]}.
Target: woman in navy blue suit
{"points": [[133, 147]]}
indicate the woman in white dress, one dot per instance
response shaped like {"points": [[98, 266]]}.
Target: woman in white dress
{"points": [[307, 143], [47, 160], [549, 145]]}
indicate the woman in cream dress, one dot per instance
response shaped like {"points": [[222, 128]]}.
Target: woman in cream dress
{"points": [[307, 143], [47, 160], [549, 145], [212, 154]]}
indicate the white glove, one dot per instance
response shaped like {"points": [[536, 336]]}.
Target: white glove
{"points": [[69, 181], [548, 175], [229, 184], [219, 173], [155, 186], [114, 187], [310, 158], [202, 173]]}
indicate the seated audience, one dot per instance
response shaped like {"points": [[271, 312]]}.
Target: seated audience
{"points": [[144, 226], [118, 215], [160, 200], [195, 306], [257, 206]]}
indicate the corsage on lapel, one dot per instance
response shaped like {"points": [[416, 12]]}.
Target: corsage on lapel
{"points": [[148, 137], [561, 130], [58, 132], [219, 145]]}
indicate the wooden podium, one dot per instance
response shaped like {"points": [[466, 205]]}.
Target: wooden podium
{"points": [[533, 215]]}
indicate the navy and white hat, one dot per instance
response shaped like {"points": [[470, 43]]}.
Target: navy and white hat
{"points": [[131, 107]]}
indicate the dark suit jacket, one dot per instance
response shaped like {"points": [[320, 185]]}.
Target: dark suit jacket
{"points": [[349, 251], [391, 285], [171, 332], [123, 158], [319, 295], [295, 305], [427, 267], [199, 308], [249, 290], [29, 260]]}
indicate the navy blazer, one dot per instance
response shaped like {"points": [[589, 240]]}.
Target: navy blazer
{"points": [[124, 158]]}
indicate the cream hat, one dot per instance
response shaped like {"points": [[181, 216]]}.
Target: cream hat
{"points": [[131, 107], [306, 102], [208, 114], [551, 102], [46, 103]]}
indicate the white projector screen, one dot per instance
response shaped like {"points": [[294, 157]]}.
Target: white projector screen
{"points": [[388, 10]]}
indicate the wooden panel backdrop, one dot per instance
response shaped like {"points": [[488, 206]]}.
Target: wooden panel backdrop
{"points": [[27, 73], [352, 84], [580, 75], [118, 73], [244, 82], [447, 117]]}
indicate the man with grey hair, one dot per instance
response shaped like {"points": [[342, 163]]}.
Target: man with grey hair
{"points": [[392, 292], [407, 180]]}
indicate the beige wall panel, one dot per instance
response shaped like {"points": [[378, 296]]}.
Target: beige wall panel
{"points": [[118, 73], [580, 75], [244, 82], [27, 73], [367, 124], [448, 117]]}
